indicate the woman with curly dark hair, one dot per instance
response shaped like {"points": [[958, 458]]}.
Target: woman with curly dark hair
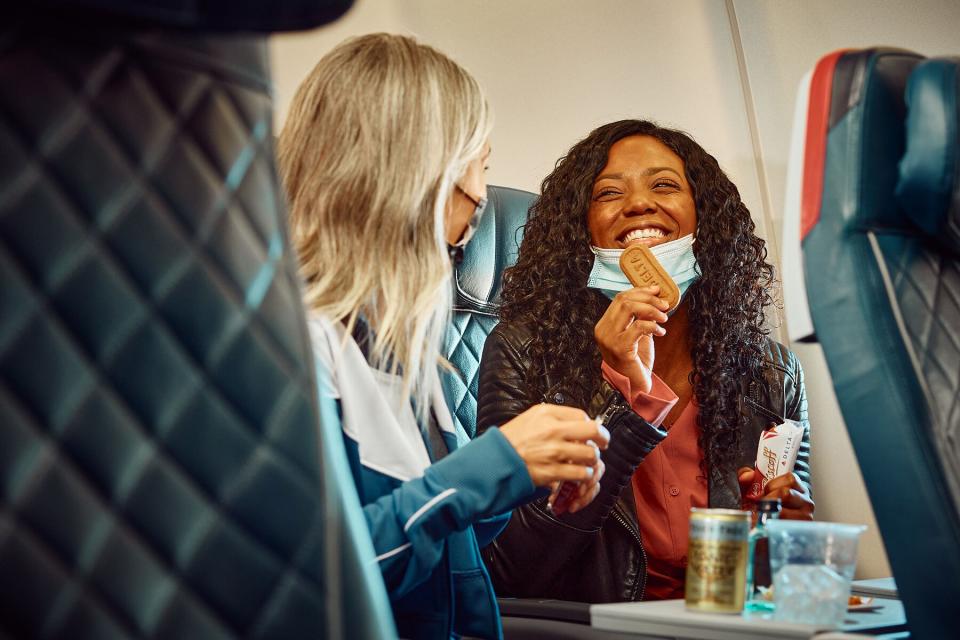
{"points": [[687, 394]]}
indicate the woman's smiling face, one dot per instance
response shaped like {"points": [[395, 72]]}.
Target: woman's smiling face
{"points": [[641, 196]]}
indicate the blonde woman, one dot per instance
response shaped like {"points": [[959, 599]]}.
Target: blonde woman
{"points": [[383, 158]]}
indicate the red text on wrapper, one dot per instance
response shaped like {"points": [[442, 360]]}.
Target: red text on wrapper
{"points": [[776, 455]]}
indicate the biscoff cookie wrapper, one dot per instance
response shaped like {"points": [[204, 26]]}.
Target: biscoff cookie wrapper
{"points": [[776, 454]]}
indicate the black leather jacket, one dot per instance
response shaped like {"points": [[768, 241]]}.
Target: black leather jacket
{"points": [[597, 554]]}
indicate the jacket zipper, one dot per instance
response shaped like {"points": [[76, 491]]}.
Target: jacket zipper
{"points": [[643, 552], [445, 564], [753, 399]]}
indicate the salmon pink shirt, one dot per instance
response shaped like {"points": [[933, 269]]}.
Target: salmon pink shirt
{"points": [[665, 486]]}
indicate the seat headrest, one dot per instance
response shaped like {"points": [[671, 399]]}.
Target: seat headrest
{"points": [[867, 117], [929, 184], [494, 247], [848, 137]]}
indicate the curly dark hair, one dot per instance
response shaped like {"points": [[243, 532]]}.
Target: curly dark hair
{"points": [[726, 304]]}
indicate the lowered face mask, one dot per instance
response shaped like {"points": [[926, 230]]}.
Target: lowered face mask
{"points": [[456, 250], [676, 257]]}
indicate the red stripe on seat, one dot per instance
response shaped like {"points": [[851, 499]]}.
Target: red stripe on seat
{"points": [[815, 147]]}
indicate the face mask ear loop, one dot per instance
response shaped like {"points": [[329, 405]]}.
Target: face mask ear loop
{"points": [[456, 254], [473, 223], [456, 250]]}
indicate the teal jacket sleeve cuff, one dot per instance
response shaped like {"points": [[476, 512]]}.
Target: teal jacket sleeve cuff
{"points": [[488, 473]]}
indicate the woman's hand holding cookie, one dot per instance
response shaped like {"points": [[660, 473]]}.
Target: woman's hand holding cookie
{"points": [[625, 334]]}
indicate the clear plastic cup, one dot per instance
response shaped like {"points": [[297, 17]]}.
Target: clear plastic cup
{"points": [[812, 565]]}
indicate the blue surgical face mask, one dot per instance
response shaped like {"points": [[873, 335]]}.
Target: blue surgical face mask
{"points": [[676, 257], [479, 206]]}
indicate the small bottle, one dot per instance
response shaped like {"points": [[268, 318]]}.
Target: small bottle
{"points": [[759, 580]]}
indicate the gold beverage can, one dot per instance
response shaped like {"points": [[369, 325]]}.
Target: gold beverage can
{"points": [[717, 560]]}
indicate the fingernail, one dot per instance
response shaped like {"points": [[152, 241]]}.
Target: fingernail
{"points": [[589, 471]]}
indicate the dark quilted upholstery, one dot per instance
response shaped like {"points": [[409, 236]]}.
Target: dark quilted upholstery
{"points": [[926, 291], [885, 302], [219, 15], [159, 468], [925, 272], [493, 248]]}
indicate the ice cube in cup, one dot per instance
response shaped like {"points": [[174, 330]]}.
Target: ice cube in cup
{"points": [[812, 565], [811, 593]]}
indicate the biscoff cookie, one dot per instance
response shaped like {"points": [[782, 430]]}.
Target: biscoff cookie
{"points": [[644, 270]]}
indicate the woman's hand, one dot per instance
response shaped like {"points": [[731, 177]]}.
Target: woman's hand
{"points": [[580, 494], [625, 334], [559, 443], [795, 500]]}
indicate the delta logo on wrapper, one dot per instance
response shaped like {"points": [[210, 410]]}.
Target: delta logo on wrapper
{"points": [[776, 455]]}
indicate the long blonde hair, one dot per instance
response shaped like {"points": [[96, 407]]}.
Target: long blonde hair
{"points": [[376, 138]]}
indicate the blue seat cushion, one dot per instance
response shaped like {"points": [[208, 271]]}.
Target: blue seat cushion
{"points": [[493, 248]]}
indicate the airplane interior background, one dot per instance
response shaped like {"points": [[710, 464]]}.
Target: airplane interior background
{"points": [[725, 72], [176, 458]]}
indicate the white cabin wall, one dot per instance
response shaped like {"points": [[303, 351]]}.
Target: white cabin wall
{"points": [[555, 69]]}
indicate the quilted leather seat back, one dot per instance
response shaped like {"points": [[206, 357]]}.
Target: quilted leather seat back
{"points": [[161, 473], [494, 247], [209, 15], [885, 301]]}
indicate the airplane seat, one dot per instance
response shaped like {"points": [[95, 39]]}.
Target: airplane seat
{"points": [[876, 193], [494, 247], [162, 472], [478, 280]]}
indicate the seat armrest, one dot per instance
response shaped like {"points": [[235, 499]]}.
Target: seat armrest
{"points": [[564, 610]]}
